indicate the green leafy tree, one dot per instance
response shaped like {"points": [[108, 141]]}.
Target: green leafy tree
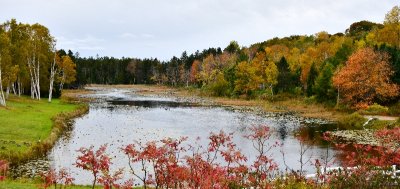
{"points": [[323, 87], [233, 47]]}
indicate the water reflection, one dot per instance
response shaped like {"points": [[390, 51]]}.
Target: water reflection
{"points": [[152, 103]]}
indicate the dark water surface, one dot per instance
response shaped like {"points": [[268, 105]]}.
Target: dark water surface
{"points": [[120, 117]]}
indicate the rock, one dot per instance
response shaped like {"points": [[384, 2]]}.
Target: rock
{"points": [[30, 169], [356, 136]]}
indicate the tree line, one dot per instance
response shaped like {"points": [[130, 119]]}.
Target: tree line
{"points": [[323, 66], [313, 65]]}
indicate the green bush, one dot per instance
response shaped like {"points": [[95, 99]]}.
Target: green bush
{"points": [[375, 109], [394, 109], [352, 121], [310, 100], [219, 87]]}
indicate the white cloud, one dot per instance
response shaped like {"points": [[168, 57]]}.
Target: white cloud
{"points": [[128, 35], [89, 43]]}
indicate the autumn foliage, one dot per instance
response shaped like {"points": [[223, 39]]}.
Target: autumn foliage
{"points": [[365, 78]]}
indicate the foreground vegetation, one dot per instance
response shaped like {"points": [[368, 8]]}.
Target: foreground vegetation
{"points": [[170, 163], [30, 127]]}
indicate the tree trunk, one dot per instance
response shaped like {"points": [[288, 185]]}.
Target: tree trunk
{"points": [[94, 182], [272, 90], [2, 99], [37, 80], [52, 73], [19, 86], [13, 88], [32, 78], [62, 81], [8, 90], [34, 70], [338, 99]]}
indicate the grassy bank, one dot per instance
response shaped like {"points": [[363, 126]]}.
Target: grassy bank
{"points": [[29, 128]]}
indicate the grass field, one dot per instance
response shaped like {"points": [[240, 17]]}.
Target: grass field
{"points": [[25, 123], [27, 184]]}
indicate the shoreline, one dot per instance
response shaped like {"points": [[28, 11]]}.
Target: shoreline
{"points": [[60, 123]]}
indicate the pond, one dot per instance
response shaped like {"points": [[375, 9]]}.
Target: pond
{"points": [[121, 116]]}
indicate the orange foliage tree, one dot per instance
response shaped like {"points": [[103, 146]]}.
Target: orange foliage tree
{"points": [[365, 78]]}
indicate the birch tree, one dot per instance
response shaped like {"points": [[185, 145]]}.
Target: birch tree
{"points": [[4, 57], [53, 71], [40, 43]]}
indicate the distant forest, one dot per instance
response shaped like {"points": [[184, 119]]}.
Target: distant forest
{"points": [[299, 64]]}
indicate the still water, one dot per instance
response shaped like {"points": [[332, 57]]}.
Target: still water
{"points": [[120, 116]]}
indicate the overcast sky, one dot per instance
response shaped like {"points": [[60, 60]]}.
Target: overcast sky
{"points": [[164, 28]]}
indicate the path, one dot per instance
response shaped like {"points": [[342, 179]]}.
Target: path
{"points": [[385, 118]]}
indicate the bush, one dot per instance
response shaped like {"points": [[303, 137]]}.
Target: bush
{"points": [[220, 87], [310, 100], [352, 121], [375, 109], [394, 109]]}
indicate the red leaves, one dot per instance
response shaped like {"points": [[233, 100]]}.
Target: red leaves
{"points": [[367, 163], [98, 162], [216, 166], [51, 177], [3, 169]]}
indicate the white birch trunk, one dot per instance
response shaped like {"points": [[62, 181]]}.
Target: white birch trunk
{"points": [[8, 90], [52, 73], [31, 76], [34, 74], [2, 99], [13, 88], [19, 86], [37, 80]]}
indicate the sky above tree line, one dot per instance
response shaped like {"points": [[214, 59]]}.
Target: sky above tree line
{"points": [[165, 28]]}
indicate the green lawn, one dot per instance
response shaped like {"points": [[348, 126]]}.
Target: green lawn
{"points": [[25, 122]]}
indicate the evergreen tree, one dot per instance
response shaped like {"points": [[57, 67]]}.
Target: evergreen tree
{"points": [[311, 79]]}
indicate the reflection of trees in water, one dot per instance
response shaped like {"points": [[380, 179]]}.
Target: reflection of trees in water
{"points": [[282, 129], [312, 133]]}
